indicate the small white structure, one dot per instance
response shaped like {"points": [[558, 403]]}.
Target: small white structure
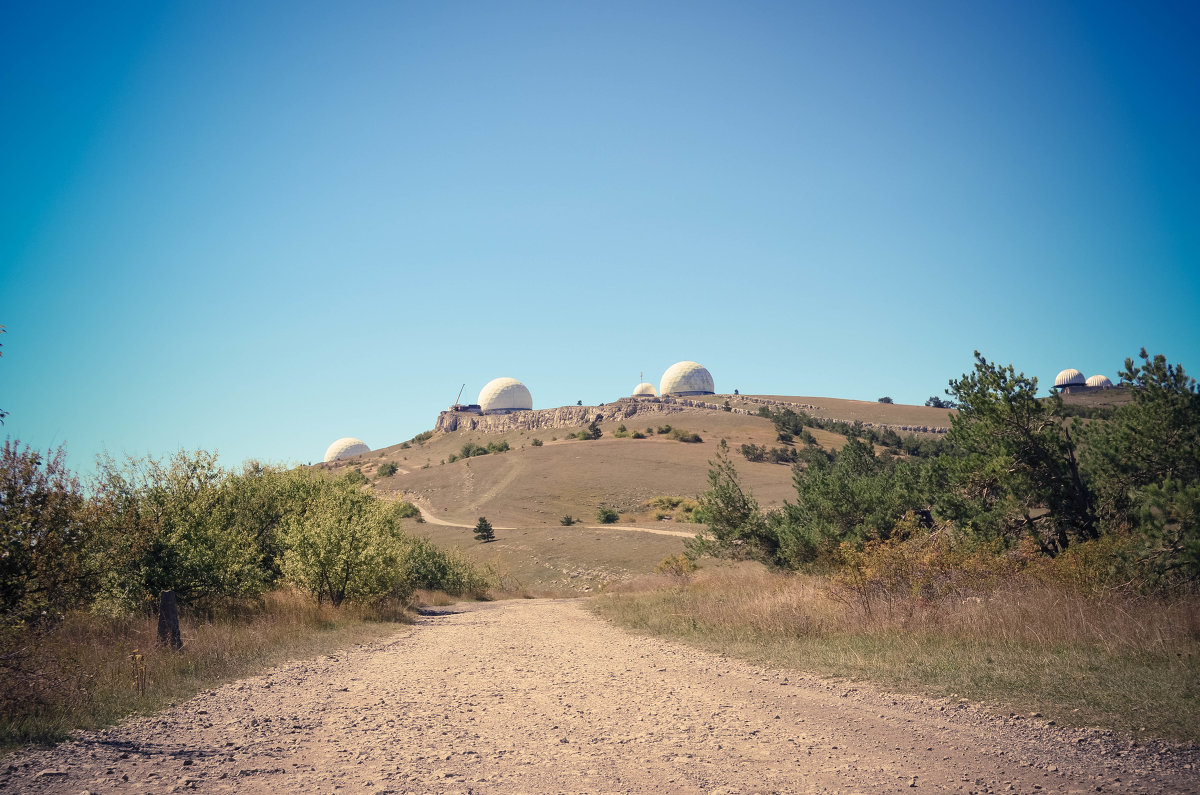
{"points": [[1099, 382], [1069, 378], [644, 389], [346, 447], [503, 396], [686, 378]]}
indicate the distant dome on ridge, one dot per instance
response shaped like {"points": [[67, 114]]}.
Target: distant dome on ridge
{"points": [[1069, 377], [644, 389], [346, 447], [502, 395], [686, 378], [1099, 382]]}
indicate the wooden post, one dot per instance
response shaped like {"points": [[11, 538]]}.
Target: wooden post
{"points": [[168, 620]]}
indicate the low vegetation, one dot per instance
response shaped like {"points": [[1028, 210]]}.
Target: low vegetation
{"points": [[679, 509], [1031, 556], [78, 562], [606, 515], [1128, 662]]}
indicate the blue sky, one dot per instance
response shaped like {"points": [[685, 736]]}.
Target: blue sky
{"points": [[258, 227]]}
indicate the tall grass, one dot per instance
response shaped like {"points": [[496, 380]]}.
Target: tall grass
{"points": [[81, 674], [1121, 661]]}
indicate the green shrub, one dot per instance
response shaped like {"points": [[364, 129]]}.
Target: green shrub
{"points": [[680, 435], [663, 429], [536, 442], [637, 435], [386, 470], [498, 447], [679, 566], [406, 510], [607, 515], [567, 520]]}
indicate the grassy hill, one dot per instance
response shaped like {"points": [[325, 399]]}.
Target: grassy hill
{"points": [[527, 490]]}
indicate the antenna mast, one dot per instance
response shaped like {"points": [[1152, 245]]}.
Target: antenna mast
{"points": [[460, 389]]}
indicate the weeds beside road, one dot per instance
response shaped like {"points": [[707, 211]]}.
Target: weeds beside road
{"points": [[1123, 662]]}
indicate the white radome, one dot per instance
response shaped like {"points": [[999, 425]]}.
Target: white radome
{"points": [[1099, 381], [686, 378], [503, 395], [1069, 377], [345, 448], [645, 389]]}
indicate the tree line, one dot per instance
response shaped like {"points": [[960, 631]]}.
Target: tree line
{"points": [[1014, 471], [215, 537]]}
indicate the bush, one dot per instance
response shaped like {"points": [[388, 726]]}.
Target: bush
{"points": [[537, 442], [885, 399], [406, 510], [663, 429], [637, 435], [567, 520], [498, 447], [680, 509], [680, 435], [386, 470], [754, 452], [607, 515], [678, 566]]}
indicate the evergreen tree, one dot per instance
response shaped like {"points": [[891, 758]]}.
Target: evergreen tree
{"points": [[484, 531], [1012, 469], [1144, 466]]}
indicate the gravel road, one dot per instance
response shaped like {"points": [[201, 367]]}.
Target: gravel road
{"points": [[541, 696]]}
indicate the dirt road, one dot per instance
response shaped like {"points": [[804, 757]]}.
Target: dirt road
{"points": [[540, 696]]}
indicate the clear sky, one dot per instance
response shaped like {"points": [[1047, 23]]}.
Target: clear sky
{"points": [[261, 226]]}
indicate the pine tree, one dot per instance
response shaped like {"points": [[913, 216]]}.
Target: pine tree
{"points": [[483, 530]]}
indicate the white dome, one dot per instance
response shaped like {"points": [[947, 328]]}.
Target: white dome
{"points": [[1069, 377], [686, 378], [345, 448], [645, 389], [505, 394], [1099, 381]]}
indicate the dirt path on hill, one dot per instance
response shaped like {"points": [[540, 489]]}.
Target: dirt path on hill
{"points": [[430, 516], [541, 696]]}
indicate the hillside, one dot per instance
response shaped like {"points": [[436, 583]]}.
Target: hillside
{"points": [[527, 490], [535, 486]]}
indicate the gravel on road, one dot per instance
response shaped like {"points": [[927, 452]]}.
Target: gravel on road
{"points": [[542, 696]]}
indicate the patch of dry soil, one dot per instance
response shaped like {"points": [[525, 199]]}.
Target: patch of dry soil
{"points": [[542, 696]]}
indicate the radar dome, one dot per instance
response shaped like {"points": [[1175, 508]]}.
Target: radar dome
{"points": [[1099, 382], [1069, 377], [686, 378], [345, 448], [502, 395], [645, 389]]}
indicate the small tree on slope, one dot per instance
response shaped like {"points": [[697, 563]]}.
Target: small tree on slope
{"points": [[483, 530]]}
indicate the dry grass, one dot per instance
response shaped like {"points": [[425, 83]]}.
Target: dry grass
{"points": [[82, 674], [1127, 663], [554, 561]]}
